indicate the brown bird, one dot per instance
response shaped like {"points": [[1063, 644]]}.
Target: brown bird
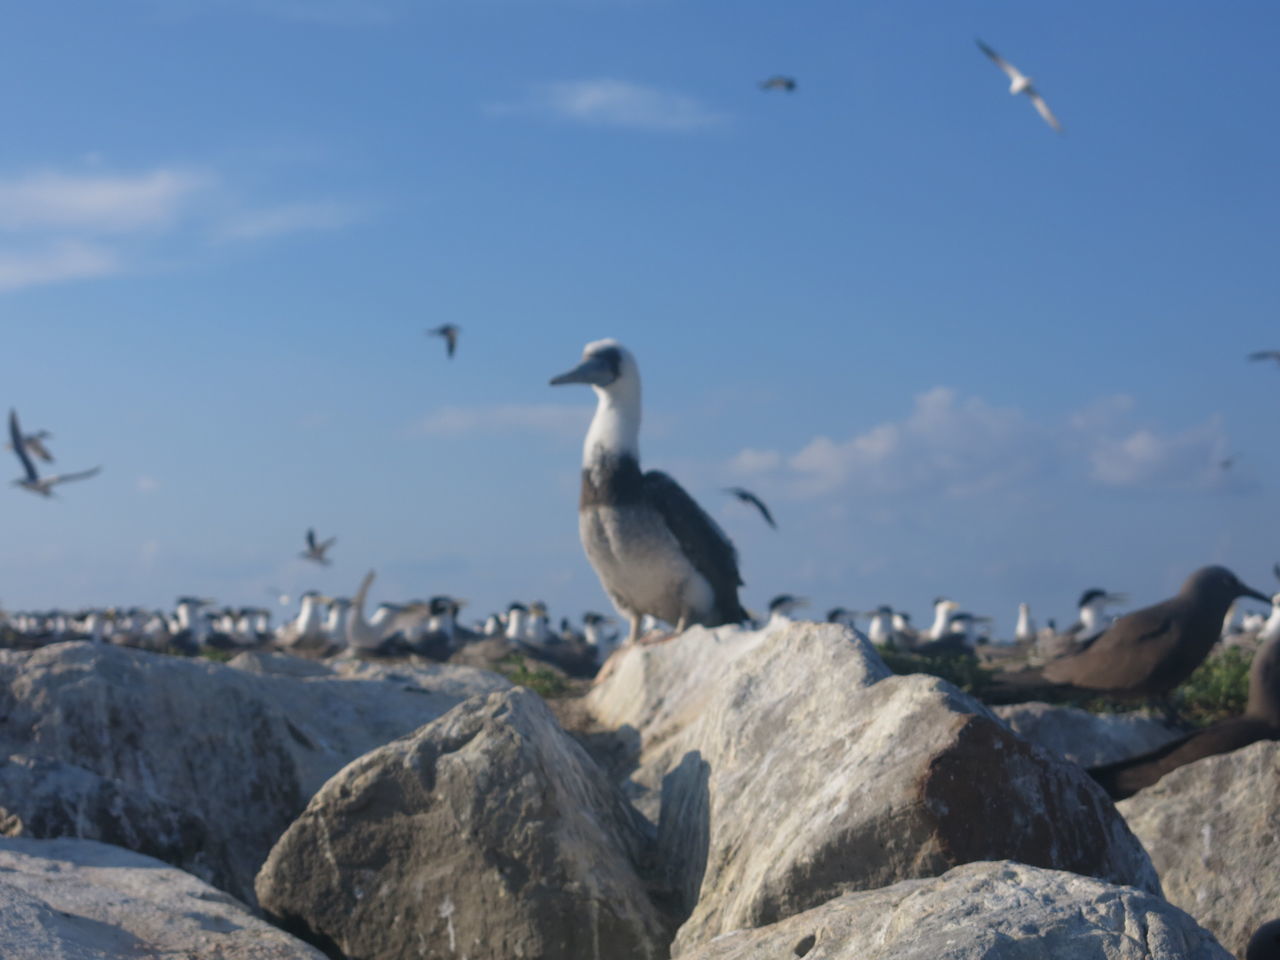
{"points": [[1145, 653], [1260, 721]]}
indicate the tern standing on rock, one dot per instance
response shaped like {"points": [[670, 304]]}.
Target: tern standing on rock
{"points": [[655, 550]]}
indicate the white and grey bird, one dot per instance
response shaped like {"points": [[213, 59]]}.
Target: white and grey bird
{"points": [[1020, 83], [782, 607], [1094, 618], [942, 611], [881, 629], [35, 443], [316, 550], [450, 334], [33, 481], [1025, 631], [654, 549]]}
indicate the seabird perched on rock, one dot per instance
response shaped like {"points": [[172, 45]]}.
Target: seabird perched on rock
{"points": [[654, 549], [1025, 631], [450, 334], [942, 611], [881, 629], [1260, 721], [1093, 614], [33, 481], [315, 550], [517, 621], [779, 82], [783, 606], [1020, 83], [747, 497], [593, 632], [1145, 653], [843, 616]]}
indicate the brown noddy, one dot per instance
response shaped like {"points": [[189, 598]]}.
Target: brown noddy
{"points": [[1145, 653], [1260, 721]]}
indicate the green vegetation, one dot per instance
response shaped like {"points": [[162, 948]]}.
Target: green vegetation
{"points": [[545, 683], [1217, 690], [217, 656], [963, 671]]}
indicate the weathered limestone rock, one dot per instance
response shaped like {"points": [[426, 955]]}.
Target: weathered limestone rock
{"points": [[1213, 831], [1089, 739], [792, 768], [73, 899], [240, 750], [487, 833], [980, 911]]}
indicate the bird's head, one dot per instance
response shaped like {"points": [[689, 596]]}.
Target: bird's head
{"points": [[1219, 584], [606, 365]]}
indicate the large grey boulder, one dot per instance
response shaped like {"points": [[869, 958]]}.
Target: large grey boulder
{"points": [[488, 833], [980, 911], [236, 749], [792, 767], [1089, 739], [72, 899], [1213, 831]]}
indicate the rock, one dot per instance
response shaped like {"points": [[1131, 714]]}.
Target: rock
{"points": [[792, 767], [45, 798], [238, 749], [1089, 739], [487, 833], [980, 911], [1211, 828], [82, 900]]}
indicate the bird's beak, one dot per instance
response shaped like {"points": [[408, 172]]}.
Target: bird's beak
{"points": [[593, 370], [1117, 598], [1250, 592]]}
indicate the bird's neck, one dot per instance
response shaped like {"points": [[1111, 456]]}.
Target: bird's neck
{"points": [[615, 429]]}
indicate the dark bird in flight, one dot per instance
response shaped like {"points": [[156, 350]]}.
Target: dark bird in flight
{"points": [[450, 334], [316, 550], [1266, 355], [1020, 83], [779, 82], [746, 496], [33, 481]]}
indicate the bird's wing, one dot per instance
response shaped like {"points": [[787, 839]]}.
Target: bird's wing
{"points": [[1120, 658], [311, 539], [36, 446], [756, 502], [701, 540], [20, 446], [451, 337], [67, 477], [1013, 72], [327, 544], [1266, 355], [1042, 108]]}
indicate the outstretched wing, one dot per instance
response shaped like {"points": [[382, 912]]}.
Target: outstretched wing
{"points": [[68, 477], [701, 540], [1043, 109], [1013, 72], [20, 447], [328, 543], [746, 496], [36, 445]]}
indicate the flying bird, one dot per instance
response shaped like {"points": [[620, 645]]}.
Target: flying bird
{"points": [[1266, 355], [315, 550], [33, 481], [450, 334], [746, 496], [1020, 83], [779, 82]]}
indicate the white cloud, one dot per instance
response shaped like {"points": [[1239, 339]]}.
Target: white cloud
{"points": [[108, 204], [615, 103], [961, 447], [61, 262], [560, 420], [289, 218]]}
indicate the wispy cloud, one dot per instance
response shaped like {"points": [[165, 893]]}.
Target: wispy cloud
{"points": [[560, 420], [61, 262], [289, 219], [614, 103], [51, 201], [959, 447]]}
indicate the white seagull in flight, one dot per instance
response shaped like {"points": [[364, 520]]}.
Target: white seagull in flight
{"points": [[33, 481], [1020, 83]]}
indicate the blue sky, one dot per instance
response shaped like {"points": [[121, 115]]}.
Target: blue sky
{"points": [[956, 352]]}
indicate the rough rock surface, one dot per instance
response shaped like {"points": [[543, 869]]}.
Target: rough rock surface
{"points": [[792, 768], [74, 899], [980, 911], [1089, 739], [488, 833], [1213, 831], [239, 750]]}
